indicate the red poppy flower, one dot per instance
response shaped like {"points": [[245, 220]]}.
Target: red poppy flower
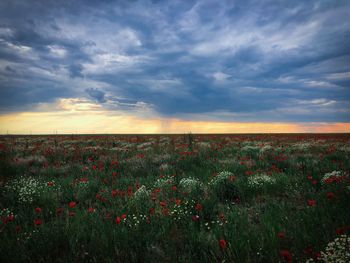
{"points": [[198, 207], [281, 235], [130, 192], [123, 216], [232, 178], [91, 209], [152, 210], [162, 203], [248, 173], [10, 218], [50, 184], [71, 214], [59, 210], [195, 218], [340, 231], [178, 201], [223, 243], [309, 250], [222, 217], [165, 211], [18, 228], [311, 202], [118, 220], [38, 222], [286, 255], [114, 193], [330, 195], [72, 204], [174, 188], [38, 210]]}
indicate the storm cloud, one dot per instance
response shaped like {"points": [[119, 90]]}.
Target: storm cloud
{"points": [[210, 60]]}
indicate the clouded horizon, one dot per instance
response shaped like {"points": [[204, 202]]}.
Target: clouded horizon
{"points": [[174, 66]]}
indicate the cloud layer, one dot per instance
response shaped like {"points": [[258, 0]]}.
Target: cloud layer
{"points": [[217, 61]]}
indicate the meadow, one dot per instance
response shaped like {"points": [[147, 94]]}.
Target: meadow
{"points": [[175, 198]]}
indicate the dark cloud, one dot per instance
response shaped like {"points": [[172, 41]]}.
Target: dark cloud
{"points": [[261, 60], [9, 69], [96, 94], [75, 70]]}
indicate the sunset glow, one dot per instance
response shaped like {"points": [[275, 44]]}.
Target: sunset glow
{"points": [[101, 122]]}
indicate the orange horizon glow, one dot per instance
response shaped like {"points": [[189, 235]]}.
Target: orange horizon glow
{"points": [[101, 122]]}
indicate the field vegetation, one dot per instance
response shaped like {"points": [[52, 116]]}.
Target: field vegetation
{"points": [[175, 198]]}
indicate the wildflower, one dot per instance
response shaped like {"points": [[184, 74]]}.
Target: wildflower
{"points": [[222, 217], [340, 231], [311, 202], [189, 184], [162, 203], [165, 211], [308, 250], [38, 222], [336, 251], [286, 255], [248, 173], [71, 214], [195, 218], [10, 218], [130, 191], [281, 235], [330, 195], [38, 210], [260, 180], [72, 204], [232, 178], [178, 201], [118, 220], [18, 228], [50, 183], [123, 216], [335, 176], [198, 207], [142, 194], [223, 243], [91, 209], [59, 210]]}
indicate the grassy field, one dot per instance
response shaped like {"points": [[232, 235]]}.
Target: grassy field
{"points": [[175, 198]]}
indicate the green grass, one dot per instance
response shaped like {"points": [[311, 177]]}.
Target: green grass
{"points": [[170, 222]]}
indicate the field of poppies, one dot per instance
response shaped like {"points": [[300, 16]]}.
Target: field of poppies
{"points": [[175, 198]]}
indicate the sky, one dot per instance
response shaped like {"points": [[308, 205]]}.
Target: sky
{"points": [[152, 66]]}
